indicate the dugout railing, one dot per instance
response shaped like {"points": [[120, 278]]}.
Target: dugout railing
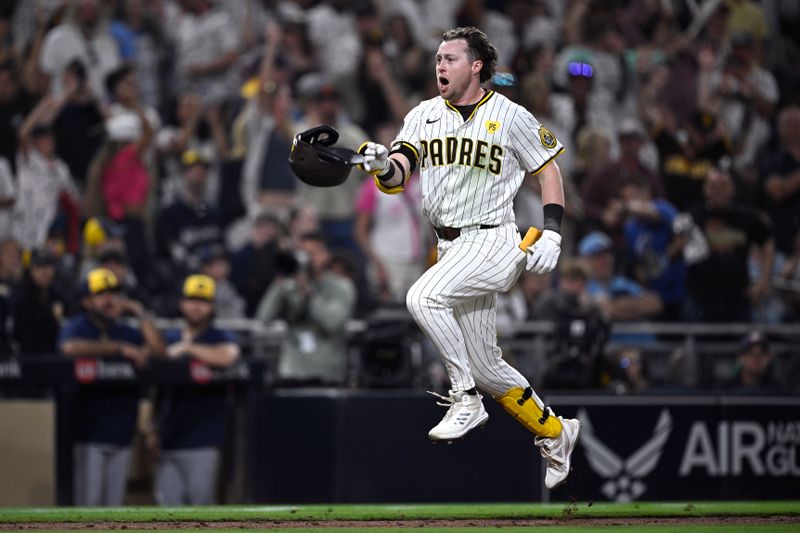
{"points": [[691, 355]]}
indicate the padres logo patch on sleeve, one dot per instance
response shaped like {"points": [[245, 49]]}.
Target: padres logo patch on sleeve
{"points": [[547, 137]]}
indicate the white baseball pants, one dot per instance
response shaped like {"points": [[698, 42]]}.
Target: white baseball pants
{"points": [[454, 302]]}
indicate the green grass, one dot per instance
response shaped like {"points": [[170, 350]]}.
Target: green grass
{"points": [[400, 512], [732, 528]]}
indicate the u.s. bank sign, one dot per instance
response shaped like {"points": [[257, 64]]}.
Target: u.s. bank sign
{"points": [[677, 448]]}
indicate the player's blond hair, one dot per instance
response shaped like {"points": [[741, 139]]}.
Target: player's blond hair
{"points": [[479, 47]]}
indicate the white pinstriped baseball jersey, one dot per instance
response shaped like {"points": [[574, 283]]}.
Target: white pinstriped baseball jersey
{"points": [[471, 170]]}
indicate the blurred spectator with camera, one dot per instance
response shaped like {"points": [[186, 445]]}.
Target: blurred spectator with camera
{"points": [[38, 307], [754, 372], [106, 416], [719, 285], [580, 328], [253, 267], [216, 264], [316, 304], [191, 420]]}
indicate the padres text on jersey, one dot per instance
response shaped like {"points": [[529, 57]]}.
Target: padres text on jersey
{"points": [[471, 169]]}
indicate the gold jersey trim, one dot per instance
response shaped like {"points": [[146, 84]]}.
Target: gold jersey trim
{"points": [[489, 94]]}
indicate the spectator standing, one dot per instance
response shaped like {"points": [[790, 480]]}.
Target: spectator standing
{"points": [[189, 223], [8, 195], [83, 36], [215, 263], [192, 419], [38, 307], [206, 47], [41, 178], [745, 95], [334, 206], [686, 155], [253, 266], [391, 232], [316, 304], [78, 126], [263, 131], [781, 182], [719, 287], [119, 183], [190, 132], [15, 104], [141, 41], [600, 191], [653, 254], [105, 416], [123, 89]]}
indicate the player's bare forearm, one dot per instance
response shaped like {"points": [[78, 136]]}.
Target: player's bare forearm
{"points": [[403, 164], [552, 184]]}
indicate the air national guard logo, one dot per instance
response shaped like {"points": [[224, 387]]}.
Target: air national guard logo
{"points": [[547, 137], [492, 126], [624, 477]]}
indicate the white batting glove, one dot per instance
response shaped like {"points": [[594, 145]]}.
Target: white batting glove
{"points": [[544, 253], [376, 158]]}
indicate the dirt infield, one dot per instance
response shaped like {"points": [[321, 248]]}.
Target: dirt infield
{"points": [[353, 524]]}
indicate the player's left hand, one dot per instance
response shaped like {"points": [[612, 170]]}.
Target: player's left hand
{"points": [[543, 255]]}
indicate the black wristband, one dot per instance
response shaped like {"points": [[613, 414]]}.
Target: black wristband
{"points": [[389, 174], [553, 213]]}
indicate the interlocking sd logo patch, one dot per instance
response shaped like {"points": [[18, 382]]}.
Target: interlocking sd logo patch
{"points": [[547, 138], [492, 126]]}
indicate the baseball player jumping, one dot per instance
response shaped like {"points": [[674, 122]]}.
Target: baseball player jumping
{"points": [[474, 147]]}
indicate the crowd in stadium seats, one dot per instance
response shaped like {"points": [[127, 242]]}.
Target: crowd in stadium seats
{"points": [[151, 137]]}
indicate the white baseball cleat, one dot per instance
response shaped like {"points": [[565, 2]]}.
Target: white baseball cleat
{"points": [[465, 412], [557, 451]]}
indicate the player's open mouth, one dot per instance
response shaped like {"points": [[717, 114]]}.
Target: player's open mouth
{"points": [[443, 81]]}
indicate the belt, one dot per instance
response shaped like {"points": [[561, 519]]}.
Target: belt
{"points": [[451, 234]]}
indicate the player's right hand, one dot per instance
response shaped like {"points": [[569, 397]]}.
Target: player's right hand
{"points": [[376, 157]]}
